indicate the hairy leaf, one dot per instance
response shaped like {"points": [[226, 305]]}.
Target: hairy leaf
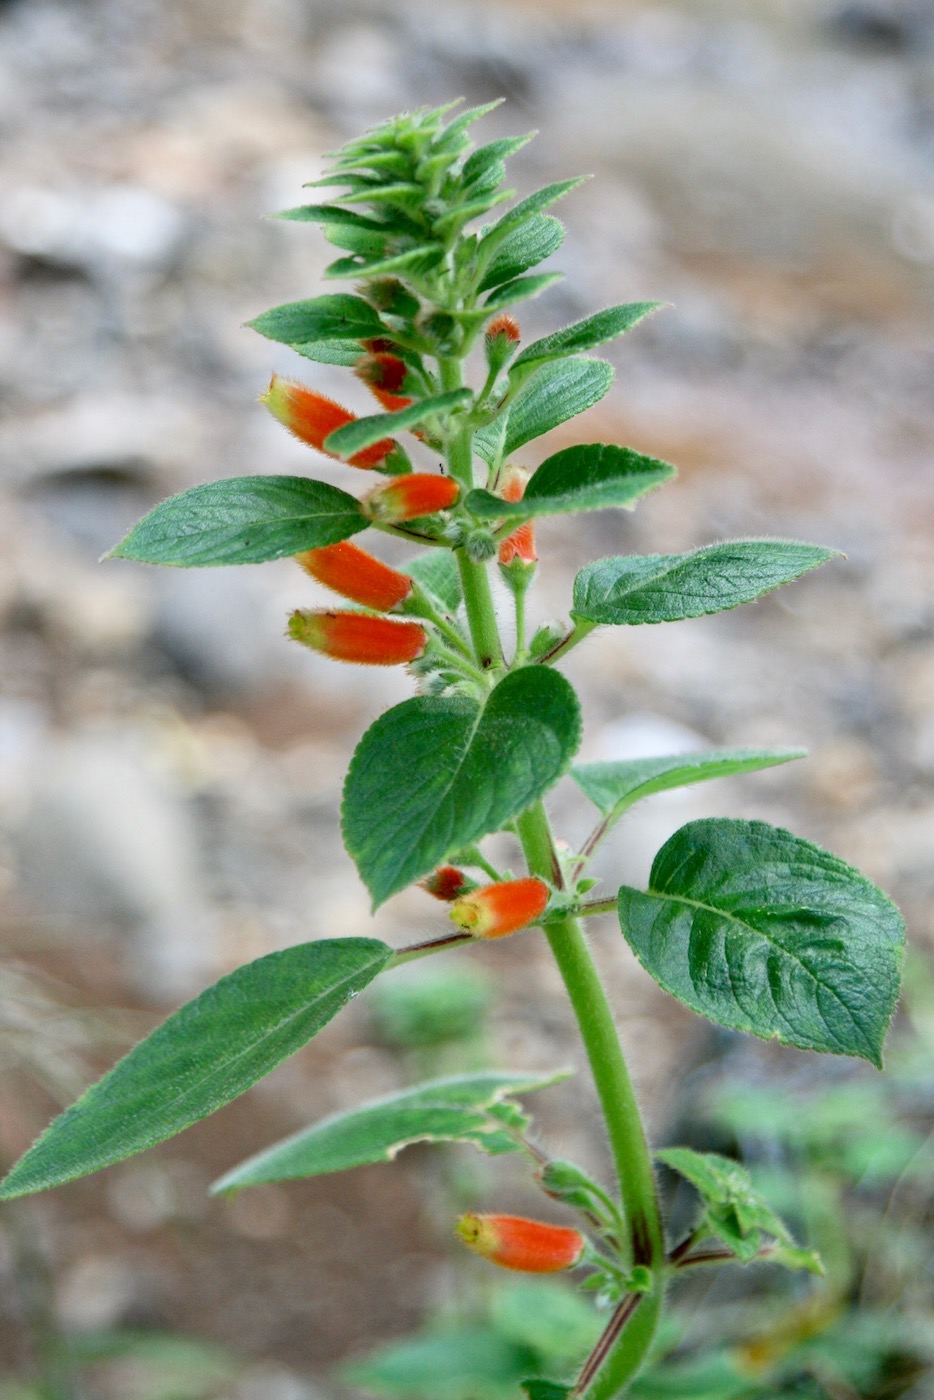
{"points": [[558, 390], [444, 1110], [243, 520], [587, 335], [615, 787], [761, 931], [363, 432], [438, 772], [336, 317], [527, 245], [521, 289], [590, 477], [670, 587], [207, 1054]]}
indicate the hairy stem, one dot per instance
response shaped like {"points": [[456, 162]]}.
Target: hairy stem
{"points": [[623, 1121]]}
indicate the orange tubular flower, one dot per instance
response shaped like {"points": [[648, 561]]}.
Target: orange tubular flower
{"points": [[447, 883], [408, 497], [495, 910], [527, 1245], [384, 375], [312, 418], [356, 575], [521, 543], [350, 636]]}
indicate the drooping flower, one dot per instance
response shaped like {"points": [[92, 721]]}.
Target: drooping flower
{"points": [[521, 543], [408, 497], [529, 1246], [356, 575], [357, 637], [312, 417], [447, 883], [496, 910]]}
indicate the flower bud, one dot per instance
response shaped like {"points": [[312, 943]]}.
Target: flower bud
{"points": [[356, 575], [408, 497], [527, 1245], [521, 543], [505, 326], [495, 910], [312, 418], [384, 375], [447, 883], [357, 637]]}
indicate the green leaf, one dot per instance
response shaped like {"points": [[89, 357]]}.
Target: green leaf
{"points": [[436, 572], [615, 787], [587, 335], [243, 520], [524, 247], [526, 208], [733, 1209], [336, 317], [449, 1362], [521, 289], [557, 391], [363, 432], [590, 477], [331, 215], [208, 1053], [552, 1320], [443, 1110], [438, 772], [426, 254], [670, 587], [493, 153], [760, 931], [545, 1390], [331, 352]]}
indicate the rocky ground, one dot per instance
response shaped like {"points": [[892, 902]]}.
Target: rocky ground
{"points": [[170, 767]]}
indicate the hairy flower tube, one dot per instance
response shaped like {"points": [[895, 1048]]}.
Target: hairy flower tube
{"points": [[312, 417], [521, 543], [506, 326], [495, 910], [384, 375], [408, 497], [357, 637], [356, 575], [530, 1246]]}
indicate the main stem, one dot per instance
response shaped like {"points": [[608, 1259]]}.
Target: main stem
{"points": [[620, 1111], [626, 1351]]}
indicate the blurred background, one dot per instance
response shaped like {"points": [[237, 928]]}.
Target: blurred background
{"points": [[170, 768]]}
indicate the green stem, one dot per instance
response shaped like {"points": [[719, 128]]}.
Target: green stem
{"points": [[623, 1121], [475, 581], [578, 632]]}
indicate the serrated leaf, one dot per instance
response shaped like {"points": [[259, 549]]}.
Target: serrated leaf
{"points": [[761, 931], [339, 316], [436, 572], [443, 1110], [524, 247], [671, 587], [438, 772], [557, 391], [363, 432], [588, 477], [207, 1054], [587, 335], [243, 520], [615, 787], [521, 289]]}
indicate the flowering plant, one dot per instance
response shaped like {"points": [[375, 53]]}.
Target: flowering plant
{"points": [[749, 925]]}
